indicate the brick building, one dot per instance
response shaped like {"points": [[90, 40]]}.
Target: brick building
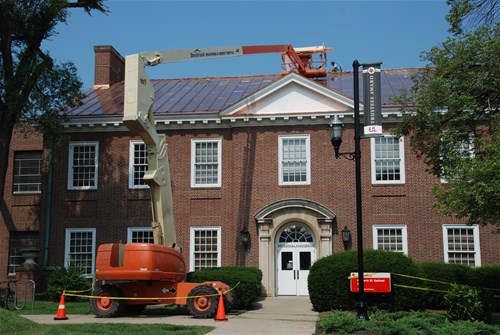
{"points": [[246, 154]]}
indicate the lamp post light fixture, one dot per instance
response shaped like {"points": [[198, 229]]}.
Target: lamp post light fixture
{"points": [[346, 237], [336, 128], [245, 237]]}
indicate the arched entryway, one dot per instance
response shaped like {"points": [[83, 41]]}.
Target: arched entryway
{"points": [[311, 218]]}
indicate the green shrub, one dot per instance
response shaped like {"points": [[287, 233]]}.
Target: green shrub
{"points": [[488, 278], [246, 282], [329, 285], [62, 279], [464, 303]]}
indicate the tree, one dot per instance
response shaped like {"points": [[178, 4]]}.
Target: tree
{"points": [[451, 117], [465, 15], [32, 84]]}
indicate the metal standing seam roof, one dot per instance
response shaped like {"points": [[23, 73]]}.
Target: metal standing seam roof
{"points": [[211, 95]]}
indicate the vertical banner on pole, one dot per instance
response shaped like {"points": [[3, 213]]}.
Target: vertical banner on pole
{"points": [[372, 100]]}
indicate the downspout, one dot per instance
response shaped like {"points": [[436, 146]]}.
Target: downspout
{"points": [[48, 216]]}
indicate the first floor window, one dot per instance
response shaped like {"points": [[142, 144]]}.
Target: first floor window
{"points": [[27, 172], [206, 167], [390, 237], [80, 249], [82, 165], [294, 160], [140, 235], [205, 248], [19, 243], [387, 160], [138, 164], [461, 245]]}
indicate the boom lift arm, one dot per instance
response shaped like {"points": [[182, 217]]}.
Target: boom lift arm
{"points": [[138, 115]]}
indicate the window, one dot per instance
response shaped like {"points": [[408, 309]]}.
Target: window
{"points": [[27, 172], [461, 149], [461, 245], [206, 163], [19, 242], [387, 156], [82, 165], [294, 160], [205, 248], [390, 237], [138, 164], [80, 249], [140, 235]]}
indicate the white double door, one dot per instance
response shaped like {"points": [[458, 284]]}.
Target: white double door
{"points": [[293, 263]]}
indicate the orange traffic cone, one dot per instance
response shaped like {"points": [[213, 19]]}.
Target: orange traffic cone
{"points": [[61, 311], [221, 311]]}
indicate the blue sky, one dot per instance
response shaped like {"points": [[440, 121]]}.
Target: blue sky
{"points": [[392, 32]]}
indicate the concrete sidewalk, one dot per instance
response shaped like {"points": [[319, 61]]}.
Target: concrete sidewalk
{"points": [[270, 315]]}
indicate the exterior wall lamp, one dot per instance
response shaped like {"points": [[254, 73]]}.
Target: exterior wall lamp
{"points": [[336, 128], [346, 237], [245, 237]]}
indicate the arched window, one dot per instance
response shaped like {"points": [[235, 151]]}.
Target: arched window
{"points": [[295, 234]]}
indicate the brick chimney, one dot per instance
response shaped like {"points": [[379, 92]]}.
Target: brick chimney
{"points": [[109, 66]]}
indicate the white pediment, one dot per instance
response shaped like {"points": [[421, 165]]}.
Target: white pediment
{"points": [[292, 94]]}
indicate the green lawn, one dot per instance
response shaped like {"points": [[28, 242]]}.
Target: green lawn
{"points": [[13, 324]]}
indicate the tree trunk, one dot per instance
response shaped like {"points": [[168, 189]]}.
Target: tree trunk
{"points": [[6, 129]]}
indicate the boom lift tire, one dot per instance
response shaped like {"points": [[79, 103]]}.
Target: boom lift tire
{"points": [[105, 307], [205, 302]]}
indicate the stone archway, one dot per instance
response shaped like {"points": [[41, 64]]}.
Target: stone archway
{"points": [[273, 217]]}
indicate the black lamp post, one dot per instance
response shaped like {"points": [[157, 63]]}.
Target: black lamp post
{"points": [[336, 129]]}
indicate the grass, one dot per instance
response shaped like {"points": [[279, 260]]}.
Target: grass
{"points": [[13, 324], [401, 323]]}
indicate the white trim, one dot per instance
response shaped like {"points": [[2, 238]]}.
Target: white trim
{"points": [[404, 235], [69, 231], [308, 159], [131, 230], [131, 159], [477, 245], [72, 145], [195, 141], [192, 230], [401, 162]]}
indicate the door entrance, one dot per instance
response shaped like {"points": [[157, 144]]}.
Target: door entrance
{"points": [[295, 254]]}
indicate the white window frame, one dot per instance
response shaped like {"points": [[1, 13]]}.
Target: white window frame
{"points": [[401, 162], [67, 245], [72, 145], [404, 236], [281, 159], [194, 142], [465, 147], [131, 165], [477, 245], [218, 229], [132, 230]]}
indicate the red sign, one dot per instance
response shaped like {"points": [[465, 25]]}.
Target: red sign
{"points": [[379, 282]]}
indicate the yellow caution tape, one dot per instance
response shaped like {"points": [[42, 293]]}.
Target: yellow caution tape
{"points": [[74, 294]]}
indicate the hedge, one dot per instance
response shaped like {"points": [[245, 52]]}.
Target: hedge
{"points": [[329, 285], [246, 282]]}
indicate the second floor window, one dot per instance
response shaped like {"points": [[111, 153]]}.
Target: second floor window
{"points": [[82, 165], [206, 168], [387, 158], [294, 160], [138, 164], [27, 172]]}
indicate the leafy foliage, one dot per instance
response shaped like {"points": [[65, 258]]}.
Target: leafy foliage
{"points": [[451, 116], [32, 85], [66, 279], [464, 303], [246, 282]]}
